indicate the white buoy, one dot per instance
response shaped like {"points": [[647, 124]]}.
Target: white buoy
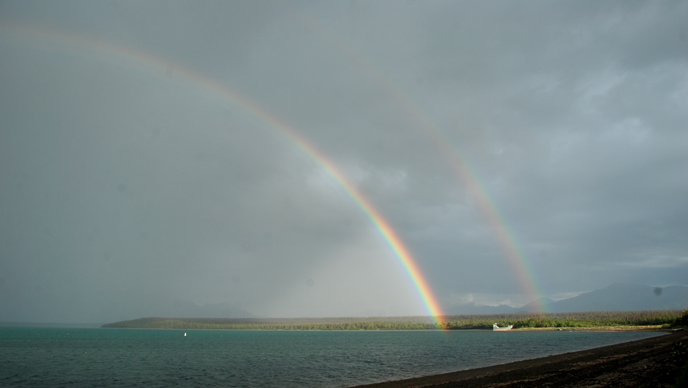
{"points": [[184, 334]]}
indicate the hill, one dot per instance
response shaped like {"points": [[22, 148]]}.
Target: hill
{"points": [[625, 297], [617, 297]]}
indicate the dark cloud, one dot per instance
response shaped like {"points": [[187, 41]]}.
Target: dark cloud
{"points": [[126, 184]]}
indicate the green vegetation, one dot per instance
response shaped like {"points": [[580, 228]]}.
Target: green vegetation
{"points": [[682, 320], [598, 319]]}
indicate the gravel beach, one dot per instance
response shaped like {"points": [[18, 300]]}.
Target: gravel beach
{"points": [[651, 362]]}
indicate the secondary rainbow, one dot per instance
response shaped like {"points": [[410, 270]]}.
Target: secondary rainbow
{"points": [[54, 40], [505, 237]]}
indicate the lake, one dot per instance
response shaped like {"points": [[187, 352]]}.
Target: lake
{"points": [[81, 357]]}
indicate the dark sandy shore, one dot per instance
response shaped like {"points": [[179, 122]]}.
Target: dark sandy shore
{"points": [[651, 362]]}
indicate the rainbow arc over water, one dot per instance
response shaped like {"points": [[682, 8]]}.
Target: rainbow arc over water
{"points": [[79, 45]]}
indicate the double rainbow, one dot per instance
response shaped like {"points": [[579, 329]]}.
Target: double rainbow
{"points": [[58, 41], [505, 237]]}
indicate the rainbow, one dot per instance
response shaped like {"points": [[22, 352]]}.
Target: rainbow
{"points": [[59, 41], [505, 237]]}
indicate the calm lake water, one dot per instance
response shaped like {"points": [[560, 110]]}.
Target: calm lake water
{"points": [[47, 357]]}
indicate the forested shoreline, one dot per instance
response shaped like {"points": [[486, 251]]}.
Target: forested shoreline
{"points": [[595, 319]]}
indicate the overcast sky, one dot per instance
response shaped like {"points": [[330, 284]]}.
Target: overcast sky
{"points": [[125, 183]]}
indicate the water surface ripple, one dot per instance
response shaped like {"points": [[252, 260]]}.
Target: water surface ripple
{"points": [[47, 357]]}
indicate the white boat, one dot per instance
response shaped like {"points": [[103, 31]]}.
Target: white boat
{"points": [[497, 328]]}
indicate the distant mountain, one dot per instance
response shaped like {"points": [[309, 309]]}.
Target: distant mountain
{"points": [[617, 297], [537, 305], [476, 309], [222, 310], [625, 297], [186, 309], [161, 306]]}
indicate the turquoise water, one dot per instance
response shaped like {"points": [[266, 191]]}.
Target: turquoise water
{"points": [[42, 357]]}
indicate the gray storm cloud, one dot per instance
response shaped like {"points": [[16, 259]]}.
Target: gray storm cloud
{"points": [[126, 186]]}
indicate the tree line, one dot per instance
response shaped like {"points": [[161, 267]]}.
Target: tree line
{"points": [[594, 319]]}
